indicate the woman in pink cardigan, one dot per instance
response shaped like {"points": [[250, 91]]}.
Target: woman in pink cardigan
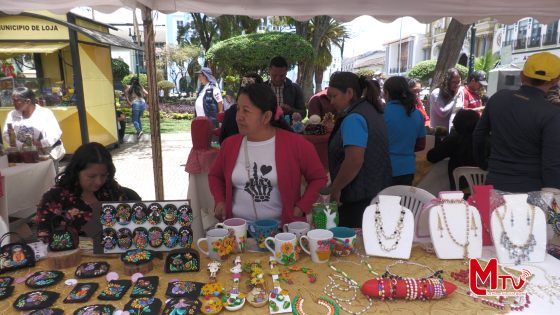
{"points": [[257, 174]]}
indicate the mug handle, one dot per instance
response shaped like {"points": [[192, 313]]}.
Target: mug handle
{"points": [[200, 240], [308, 251], [272, 250], [219, 225], [251, 228], [285, 227]]}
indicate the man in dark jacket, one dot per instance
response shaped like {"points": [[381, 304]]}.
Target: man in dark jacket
{"points": [[288, 94], [524, 129]]}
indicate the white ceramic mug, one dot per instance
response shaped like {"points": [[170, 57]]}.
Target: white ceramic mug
{"points": [[284, 247], [298, 228], [238, 227], [318, 245], [219, 243]]}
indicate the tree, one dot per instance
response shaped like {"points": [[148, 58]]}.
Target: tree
{"points": [[178, 59], [120, 69], [143, 78], [241, 54], [487, 62], [450, 50], [333, 35], [425, 70]]}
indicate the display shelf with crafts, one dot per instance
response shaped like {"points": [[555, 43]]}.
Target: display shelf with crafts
{"points": [[152, 225]]}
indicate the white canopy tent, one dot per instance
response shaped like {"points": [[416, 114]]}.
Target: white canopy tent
{"points": [[466, 11]]}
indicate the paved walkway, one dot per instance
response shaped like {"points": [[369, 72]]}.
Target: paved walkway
{"points": [[133, 161]]}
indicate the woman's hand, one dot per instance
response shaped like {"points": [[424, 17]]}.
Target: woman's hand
{"points": [[220, 211], [298, 212], [335, 196]]}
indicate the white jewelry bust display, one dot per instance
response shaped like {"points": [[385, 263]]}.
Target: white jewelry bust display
{"points": [[519, 231], [391, 235], [455, 228]]}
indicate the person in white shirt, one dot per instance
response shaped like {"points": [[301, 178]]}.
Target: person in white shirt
{"points": [[209, 101], [29, 118], [446, 100]]}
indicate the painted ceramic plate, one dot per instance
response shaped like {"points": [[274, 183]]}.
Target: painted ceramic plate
{"points": [[185, 215], [139, 213], [155, 210], [155, 236], [124, 214], [108, 216], [170, 237], [140, 237], [170, 214], [109, 239], [124, 238]]}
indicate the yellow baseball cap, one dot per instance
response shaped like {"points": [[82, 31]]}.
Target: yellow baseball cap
{"points": [[543, 66]]}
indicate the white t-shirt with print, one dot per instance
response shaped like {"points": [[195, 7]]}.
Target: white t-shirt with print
{"points": [[262, 187], [198, 104]]}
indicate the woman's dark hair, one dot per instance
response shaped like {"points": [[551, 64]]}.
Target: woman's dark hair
{"points": [[465, 121], [412, 82], [89, 153], [262, 96], [444, 91], [397, 88], [361, 86], [135, 87], [24, 93]]}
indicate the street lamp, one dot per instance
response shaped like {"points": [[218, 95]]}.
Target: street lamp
{"points": [[137, 41]]}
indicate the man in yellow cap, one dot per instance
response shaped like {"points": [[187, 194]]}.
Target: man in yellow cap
{"points": [[524, 129]]}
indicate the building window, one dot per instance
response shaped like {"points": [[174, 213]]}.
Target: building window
{"points": [[535, 39], [179, 24], [551, 35]]}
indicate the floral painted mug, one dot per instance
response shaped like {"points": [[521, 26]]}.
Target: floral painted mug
{"points": [[344, 241], [284, 247], [318, 245], [237, 227], [220, 244], [261, 229]]}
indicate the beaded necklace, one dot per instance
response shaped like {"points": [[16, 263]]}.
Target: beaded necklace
{"points": [[551, 290], [340, 281], [297, 305], [396, 235], [518, 252], [464, 245]]}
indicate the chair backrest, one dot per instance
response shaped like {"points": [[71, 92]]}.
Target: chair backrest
{"points": [[474, 176], [412, 198]]}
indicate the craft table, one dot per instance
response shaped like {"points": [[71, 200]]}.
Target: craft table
{"points": [[24, 185], [454, 304]]}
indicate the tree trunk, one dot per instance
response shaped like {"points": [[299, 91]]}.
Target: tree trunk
{"points": [[149, 48], [318, 79], [450, 50]]}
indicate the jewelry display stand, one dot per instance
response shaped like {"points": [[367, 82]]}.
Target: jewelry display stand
{"points": [[515, 246], [455, 228], [387, 237]]}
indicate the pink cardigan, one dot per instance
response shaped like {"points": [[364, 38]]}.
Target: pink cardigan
{"points": [[295, 157]]}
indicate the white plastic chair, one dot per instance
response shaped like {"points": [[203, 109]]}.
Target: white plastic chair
{"points": [[413, 198], [474, 176]]}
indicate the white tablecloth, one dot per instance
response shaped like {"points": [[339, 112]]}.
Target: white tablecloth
{"points": [[24, 185]]}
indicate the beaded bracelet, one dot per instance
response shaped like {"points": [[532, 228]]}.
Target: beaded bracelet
{"points": [[389, 274]]}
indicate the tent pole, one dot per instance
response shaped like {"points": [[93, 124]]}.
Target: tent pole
{"points": [[149, 50]]}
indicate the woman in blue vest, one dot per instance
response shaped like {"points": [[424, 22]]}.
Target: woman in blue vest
{"points": [[405, 125], [359, 162], [209, 101]]}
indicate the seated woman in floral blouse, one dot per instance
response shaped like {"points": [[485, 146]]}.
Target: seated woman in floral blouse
{"points": [[87, 181]]}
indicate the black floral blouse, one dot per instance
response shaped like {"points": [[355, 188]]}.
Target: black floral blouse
{"points": [[59, 201]]}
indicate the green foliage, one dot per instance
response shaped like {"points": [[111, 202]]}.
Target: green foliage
{"points": [[180, 116], [252, 52], [143, 80], [486, 63], [425, 70], [368, 73], [165, 85], [120, 69]]}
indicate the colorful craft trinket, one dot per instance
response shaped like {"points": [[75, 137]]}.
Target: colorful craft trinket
{"points": [[35, 300], [186, 215], [155, 211], [143, 306], [155, 236], [124, 238], [170, 214], [115, 290], [185, 237], [41, 279], [182, 260], [170, 237], [136, 256], [98, 309], [140, 237], [234, 300], [124, 214], [108, 216], [145, 287], [185, 289], [109, 239], [47, 311], [92, 269], [139, 213], [257, 297], [278, 299], [178, 306], [81, 293]]}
